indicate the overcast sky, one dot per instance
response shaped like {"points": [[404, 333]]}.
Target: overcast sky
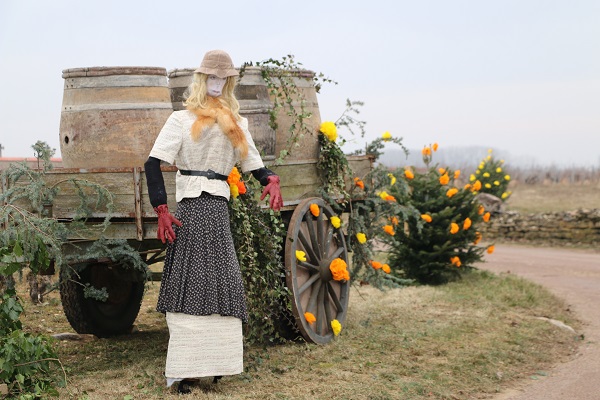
{"points": [[519, 76]]}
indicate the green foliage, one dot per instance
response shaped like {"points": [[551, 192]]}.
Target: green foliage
{"points": [[281, 75], [493, 177], [427, 251], [349, 120], [258, 236], [334, 170]]}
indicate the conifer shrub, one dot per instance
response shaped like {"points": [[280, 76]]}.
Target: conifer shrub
{"points": [[493, 177]]}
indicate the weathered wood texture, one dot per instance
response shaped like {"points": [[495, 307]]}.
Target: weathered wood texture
{"points": [[111, 115]]}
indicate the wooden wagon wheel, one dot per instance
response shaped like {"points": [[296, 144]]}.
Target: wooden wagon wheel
{"points": [[313, 288]]}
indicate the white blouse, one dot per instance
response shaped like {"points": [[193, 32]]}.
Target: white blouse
{"points": [[213, 150]]}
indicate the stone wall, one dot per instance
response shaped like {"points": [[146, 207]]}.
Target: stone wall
{"points": [[569, 228]]}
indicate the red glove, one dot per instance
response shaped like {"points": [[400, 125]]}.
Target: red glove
{"points": [[165, 224], [272, 189]]}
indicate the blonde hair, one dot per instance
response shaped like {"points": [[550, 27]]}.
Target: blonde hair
{"points": [[197, 97]]}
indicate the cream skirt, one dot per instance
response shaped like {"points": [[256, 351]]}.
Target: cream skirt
{"points": [[205, 345]]}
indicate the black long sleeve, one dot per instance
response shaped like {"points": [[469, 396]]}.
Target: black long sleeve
{"points": [[155, 182], [262, 175]]}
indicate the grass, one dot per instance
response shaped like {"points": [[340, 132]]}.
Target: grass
{"points": [[553, 197], [464, 340]]}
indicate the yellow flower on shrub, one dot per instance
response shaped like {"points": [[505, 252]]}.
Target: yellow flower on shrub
{"points": [[498, 170], [467, 223], [426, 217], [454, 228], [329, 129], [486, 216], [386, 268], [486, 174], [315, 210], [472, 178], [335, 221], [444, 179], [392, 179], [408, 174], [451, 192], [490, 249], [504, 195], [336, 327], [361, 237], [386, 136], [309, 317], [496, 183], [389, 229], [487, 185], [386, 196], [339, 270], [507, 177], [300, 255], [455, 261]]}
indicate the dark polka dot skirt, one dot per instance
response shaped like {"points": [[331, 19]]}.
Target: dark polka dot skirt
{"points": [[201, 275]]}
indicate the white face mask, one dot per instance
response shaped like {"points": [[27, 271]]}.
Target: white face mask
{"points": [[214, 85]]}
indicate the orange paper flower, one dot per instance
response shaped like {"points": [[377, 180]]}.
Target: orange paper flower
{"points": [[456, 174], [451, 192], [480, 209], [426, 151], [408, 174], [486, 216], [467, 223], [426, 217], [358, 182], [455, 261], [477, 237], [386, 268], [389, 229], [339, 270], [454, 228], [490, 249], [394, 220], [444, 179], [309, 317], [435, 146], [314, 210], [376, 264], [476, 186]]}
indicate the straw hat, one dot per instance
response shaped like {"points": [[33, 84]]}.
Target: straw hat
{"points": [[217, 62]]}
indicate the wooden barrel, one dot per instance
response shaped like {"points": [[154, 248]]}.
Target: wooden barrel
{"points": [[253, 96], [307, 148], [111, 116]]}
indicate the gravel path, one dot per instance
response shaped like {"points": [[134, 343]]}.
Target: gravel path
{"points": [[573, 275]]}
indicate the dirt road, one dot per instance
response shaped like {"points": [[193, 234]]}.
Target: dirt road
{"points": [[573, 275]]}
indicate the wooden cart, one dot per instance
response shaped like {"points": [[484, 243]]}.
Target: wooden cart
{"points": [[134, 220]]}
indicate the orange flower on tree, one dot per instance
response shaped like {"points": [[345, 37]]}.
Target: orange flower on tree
{"points": [[480, 209], [490, 249], [486, 216], [394, 220], [359, 183], [456, 174], [454, 228], [376, 264], [477, 238], [426, 217], [451, 192], [339, 270], [386, 268], [435, 146], [389, 229], [408, 174], [236, 185], [442, 171], [387, 197], [455, 261], [309, 317], [315, 210], [467, 223], [476, 186], [426, 151], [444, 179]]}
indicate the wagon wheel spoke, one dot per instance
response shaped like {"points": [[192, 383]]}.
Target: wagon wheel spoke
{"points": [[334, 297], [308, 248], [327, 241], [337, 253], [310, 224], [328, 317], [308, 283], [312, 302], [308, 266], [320, 310], [320, 243]]}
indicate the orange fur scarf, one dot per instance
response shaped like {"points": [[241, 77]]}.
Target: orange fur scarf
{"points": [[217, 113]]}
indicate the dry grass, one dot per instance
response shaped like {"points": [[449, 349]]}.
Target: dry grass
{"points": [[465, 340], [553, 197]]}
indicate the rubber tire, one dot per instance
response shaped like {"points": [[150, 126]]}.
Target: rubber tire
{"points": [[103, 319]]}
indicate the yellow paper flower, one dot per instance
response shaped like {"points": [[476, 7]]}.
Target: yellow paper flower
{"points": [[435, 146], [486, 216], [487, 185], [339, 270], [451, 192], [496, 183], [335, 221], [488, 158], [444, 179], [376, 264], [361, 237], [309, 317], [490, 249], [336, 327], [408, 174], [486, 174], [507, 177], [504, 195], [455, 261], [426, 217], [454, 228], [472, 178], [386, 136], [387, 197], [477, 237], [389, 229], [498, 170], [234, 191], [386, 268], [467, 223], [315, 210], [329, 129], [300, 255], [456, 174], [392, 179]]}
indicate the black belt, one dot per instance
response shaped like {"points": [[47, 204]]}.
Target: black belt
{"points": [[210, 174]]}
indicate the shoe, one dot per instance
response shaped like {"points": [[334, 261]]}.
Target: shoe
{"points": [[216, 379], [185, 387]]}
